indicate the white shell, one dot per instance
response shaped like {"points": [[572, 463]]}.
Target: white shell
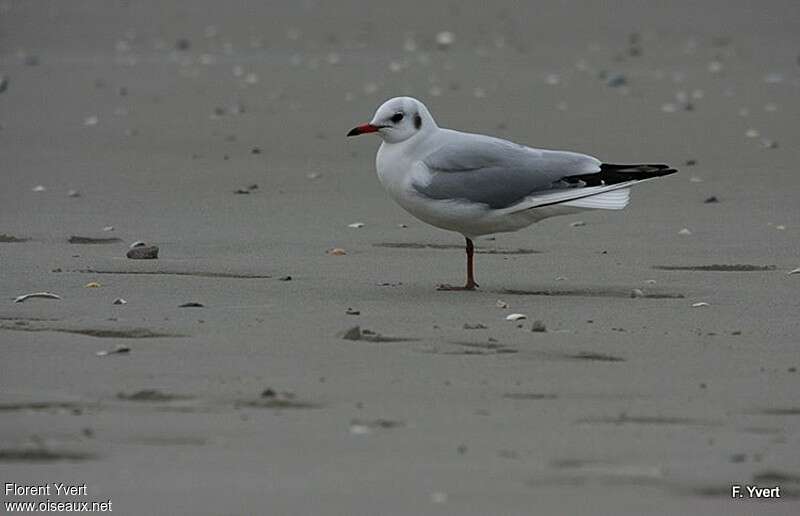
{"points": [[698, 305], [445, 38], [794, 271], [515, 317], [356, 225], [45, 295], [685, 231], [501, 304]]}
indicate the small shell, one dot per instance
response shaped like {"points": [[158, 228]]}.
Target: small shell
{"points": [[45, 295], [120, 301], [515, 317], [685, 231], [73, 193], [357, 429], [92, 284], [578, 223], [650, 281], [445, 39], [637, 292], [501, 304], [336, 251], [108, 228], [439, 497], [39, 188], [356, 225], [794, 271], [698, 305]]}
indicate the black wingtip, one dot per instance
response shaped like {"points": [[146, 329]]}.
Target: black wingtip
{"points": [[611, 173]]}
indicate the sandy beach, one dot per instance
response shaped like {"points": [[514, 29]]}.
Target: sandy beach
{"points": [[216, 131]]}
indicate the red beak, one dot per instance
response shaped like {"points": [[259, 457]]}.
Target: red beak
{"points": [[363, 129]]}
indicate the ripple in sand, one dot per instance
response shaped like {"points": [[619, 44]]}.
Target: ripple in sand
{"points": [[717, 268], [42, 454], [780, 411], [529, 396], [478, 250], [272, 399], [152, 395], [624, 419], [102, 333], [592, 292], [200, 274], [11, 239], [91, 240], [41, 406]]}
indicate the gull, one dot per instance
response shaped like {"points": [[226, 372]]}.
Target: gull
{"points": [[479, 185]]}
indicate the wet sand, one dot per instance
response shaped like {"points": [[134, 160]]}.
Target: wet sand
{"points": [[253, 403]]}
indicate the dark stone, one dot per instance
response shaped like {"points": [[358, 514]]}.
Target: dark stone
{"points": [[148, 252]]}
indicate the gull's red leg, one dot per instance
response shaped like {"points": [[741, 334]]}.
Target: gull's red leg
{"points": [[471, 285]]}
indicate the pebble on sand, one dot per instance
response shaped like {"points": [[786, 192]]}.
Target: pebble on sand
{"points": [[38, 188], [352, 311], [191, 304], [73, 193], [538, 327], [43, 295], [711, 200], [119, 350], [3, 83], [578, 223], [353, 333], [685, 231], [356, 225], [143, 252], [616, 80], [119, 301], [476, 326], [336, 251], [515, 317], [637, 292], [501, 304]]}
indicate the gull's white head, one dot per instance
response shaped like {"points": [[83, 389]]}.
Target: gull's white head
{"points": [[397, 120]]}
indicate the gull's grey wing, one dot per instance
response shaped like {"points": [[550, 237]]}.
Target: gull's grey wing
{"points": [[497, 172]]}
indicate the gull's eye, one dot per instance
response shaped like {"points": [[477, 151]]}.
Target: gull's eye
{"points": [[396, 117]]}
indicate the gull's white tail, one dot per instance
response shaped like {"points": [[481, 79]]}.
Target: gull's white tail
{"points": [[613, 200]]}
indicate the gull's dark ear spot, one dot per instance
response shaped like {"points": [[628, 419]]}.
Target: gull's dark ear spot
{"points": [[417, 120]]}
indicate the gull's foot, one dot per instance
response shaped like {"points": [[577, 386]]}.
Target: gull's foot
{"points": [[446, 287]]}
